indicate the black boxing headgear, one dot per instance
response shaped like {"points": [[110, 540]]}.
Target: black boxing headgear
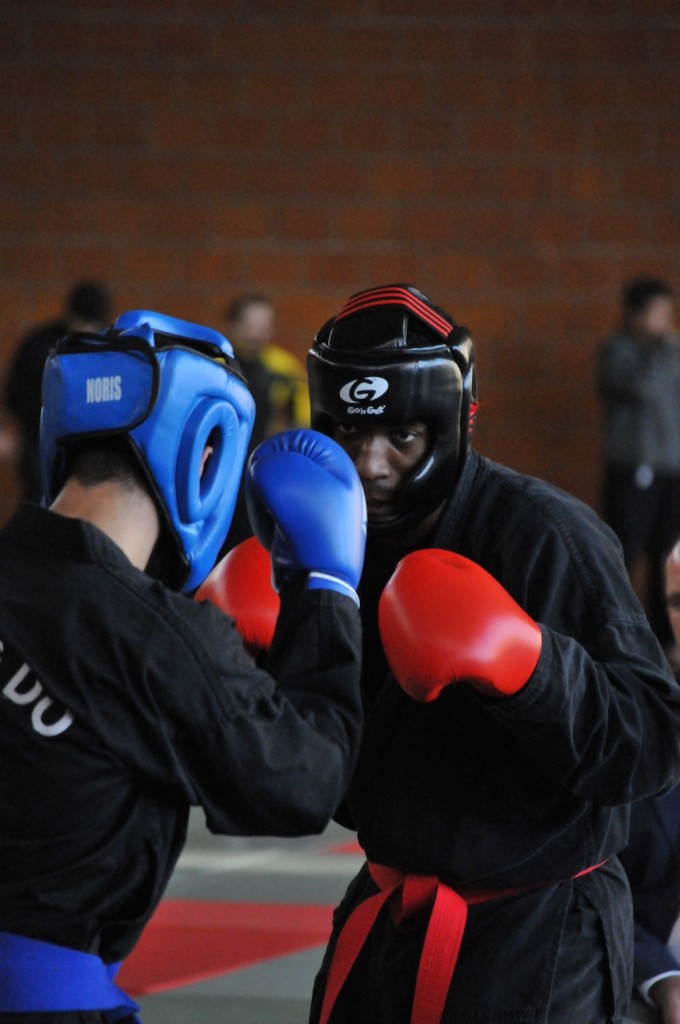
{"points": [[391, 356]]}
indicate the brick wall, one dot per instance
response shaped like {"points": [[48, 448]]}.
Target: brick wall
{"points": [[515, 160]]}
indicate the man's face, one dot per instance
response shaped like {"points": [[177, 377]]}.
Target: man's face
{"points": [[253, 330], [656, 320], [384, 455], [672, 575]]}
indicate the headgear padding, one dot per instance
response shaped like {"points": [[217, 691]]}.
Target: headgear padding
{"points": [[391, 356], [170, 387]]}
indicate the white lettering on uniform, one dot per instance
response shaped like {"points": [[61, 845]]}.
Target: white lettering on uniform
{"points": [[12, 692], [45, 728]]}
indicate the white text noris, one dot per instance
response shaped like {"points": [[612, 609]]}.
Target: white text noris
{"points": [[104, 389]]}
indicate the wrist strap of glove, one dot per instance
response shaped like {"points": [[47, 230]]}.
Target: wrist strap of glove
{"points": [[322, 581]]}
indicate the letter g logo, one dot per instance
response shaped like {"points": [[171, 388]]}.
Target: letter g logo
{"points": [[365, 389]]}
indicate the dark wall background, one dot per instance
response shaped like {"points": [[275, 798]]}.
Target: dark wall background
{"points": [[516, 160]]}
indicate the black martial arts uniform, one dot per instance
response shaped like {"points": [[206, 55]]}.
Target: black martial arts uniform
{"points": [[515, 795], [124, 705]]}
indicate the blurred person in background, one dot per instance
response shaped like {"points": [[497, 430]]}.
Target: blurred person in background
{"points": [[87, 307], [277, 382], [638, 384]]}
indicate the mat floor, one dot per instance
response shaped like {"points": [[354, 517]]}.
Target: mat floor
{"points": [[240, 934]]}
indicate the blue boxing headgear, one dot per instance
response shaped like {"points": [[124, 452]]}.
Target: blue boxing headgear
{"points": [[170, 387], [389, 356]]}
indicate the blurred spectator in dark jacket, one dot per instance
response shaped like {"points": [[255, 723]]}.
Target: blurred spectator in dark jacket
{"points": [[87, 307], [638, 383]]}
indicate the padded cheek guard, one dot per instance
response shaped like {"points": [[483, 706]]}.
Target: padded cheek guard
{"points": [[170, 402]]}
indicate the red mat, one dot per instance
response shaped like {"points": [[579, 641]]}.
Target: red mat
{"points": [[191, 940], [350, 847]]}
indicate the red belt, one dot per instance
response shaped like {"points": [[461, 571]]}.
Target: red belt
{"points": [[410, 895]]}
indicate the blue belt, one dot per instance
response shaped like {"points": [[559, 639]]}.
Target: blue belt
{"points": [[38, 977]]}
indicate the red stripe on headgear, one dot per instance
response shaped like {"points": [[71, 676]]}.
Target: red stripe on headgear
{"points": [[396, 297]]}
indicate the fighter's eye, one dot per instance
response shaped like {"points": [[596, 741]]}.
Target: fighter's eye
{"points": [[408, 433]]}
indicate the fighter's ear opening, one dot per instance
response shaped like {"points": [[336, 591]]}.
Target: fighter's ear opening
{"points": [[209, 451]]}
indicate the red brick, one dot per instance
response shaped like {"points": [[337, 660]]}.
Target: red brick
{"points": [[370, 45], [214, 265], [152, 263], [302, 221], [31, 262], [667, 44], [620, 134], [57, 125], [503, 43], [239, 132], [546, 134], [272, 89], [340, 269], [279, 267], [595, 91], [397, 178], [649, 181], [242, 42], [367, 222], [617, 223], [493, 134], [587, 272], [532, 91], [556, 226], [464, 269], [584, 182], [167, 126], [182, 39], [471, 90], [59, 36], [632, 44], [402, 91], [308, 41], [640, 9], [76, 260], [367, 132], [301, 312], [665, 227], [649, 92], [526, 270], [299, 132], [340, 90], [229, 219], [552, 46], [12, 34]]}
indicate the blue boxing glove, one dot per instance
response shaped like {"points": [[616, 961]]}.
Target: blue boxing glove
{"points": [[307, 507]]}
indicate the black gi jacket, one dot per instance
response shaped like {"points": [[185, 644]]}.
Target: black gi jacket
{"points": [[168, 711], [529, 789]]}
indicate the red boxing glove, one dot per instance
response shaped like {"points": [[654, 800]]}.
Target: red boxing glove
{"points": [[443, 619], [240, 586]]}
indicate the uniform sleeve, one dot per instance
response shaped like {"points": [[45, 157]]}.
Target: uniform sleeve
{"points": [[651, 957], [270, 752], [601, 712]]}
